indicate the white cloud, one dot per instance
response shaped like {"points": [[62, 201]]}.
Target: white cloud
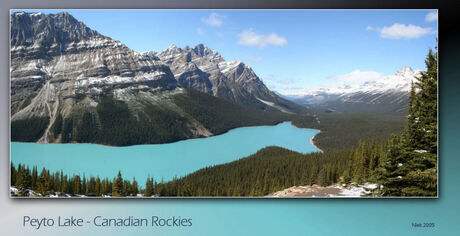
{"points": [[402, 31], [250, 38], [200, 31], [213, 19], [432, 16], [369, 28], [356, 77], [337, 83], [354, 81]]}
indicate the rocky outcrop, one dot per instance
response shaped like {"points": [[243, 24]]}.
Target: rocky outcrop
{"points": [[352, 190], [59, 65], [69, 83]]}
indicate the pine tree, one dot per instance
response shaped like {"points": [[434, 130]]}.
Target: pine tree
{"points": [[135, 187], [117, 186], [83, 185], [98, 188], [43, 182], [76, 185], [410, 168], [23, 180], [148, 187], [34, 178], [427, 109], [13, 174]]}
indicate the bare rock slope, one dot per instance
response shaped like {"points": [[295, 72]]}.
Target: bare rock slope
{"points": [[69, 83]]}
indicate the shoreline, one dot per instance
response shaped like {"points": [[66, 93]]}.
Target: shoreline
{"points": [[214, 135], [182, 140], [313, 143], [69, 172], [311, 139]]}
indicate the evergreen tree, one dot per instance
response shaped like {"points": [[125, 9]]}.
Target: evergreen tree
{"points": [[34, 178], [97, 187], [76, 185], [117, 186], [148, 187], [43, 182], [13, 175], [135, 187], [410, 168], [83, 185], [23, 180]]}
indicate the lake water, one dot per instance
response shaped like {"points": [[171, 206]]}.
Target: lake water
{"points": [[161, 160]]}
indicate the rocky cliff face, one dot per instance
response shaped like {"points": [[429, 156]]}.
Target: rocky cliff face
{"points": [[205, 70], [58, 65], [71, 84]]}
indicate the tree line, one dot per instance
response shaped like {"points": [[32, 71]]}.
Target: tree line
{"points": [[46, 183], [268, 170]]}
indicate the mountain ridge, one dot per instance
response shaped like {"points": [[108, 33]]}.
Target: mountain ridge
{"points": [[385, 94], [71, 84], [206, 70]]}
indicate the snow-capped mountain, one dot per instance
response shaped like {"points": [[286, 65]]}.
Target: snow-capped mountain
{"points": [[206, 70], [70, 83], [400, 81], [61, 70], [55, 59], [390, 92]]}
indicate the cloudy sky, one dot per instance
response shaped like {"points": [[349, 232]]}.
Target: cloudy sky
{"points": [[289, 49]]}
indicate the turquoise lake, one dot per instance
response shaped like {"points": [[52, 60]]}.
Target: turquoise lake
{"points": [[161, 161]]}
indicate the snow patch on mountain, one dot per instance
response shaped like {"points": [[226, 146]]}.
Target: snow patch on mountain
{"points": [[367, 82], [274, 106], [227, 66]]}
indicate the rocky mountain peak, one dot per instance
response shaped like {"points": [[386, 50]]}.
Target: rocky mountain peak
{"points": [[405, 71], [172, 49], [226, 66], [61, 70], [201, 50], [206, 70], [44, 30], [59, 64]]}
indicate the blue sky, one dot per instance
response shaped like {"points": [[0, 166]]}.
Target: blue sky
{"points": [[289, 49]]}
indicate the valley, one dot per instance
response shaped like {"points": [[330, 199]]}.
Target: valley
{"points": [[92, 117], [163, 162]]}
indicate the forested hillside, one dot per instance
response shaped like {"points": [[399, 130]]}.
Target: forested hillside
{"points": [[114, 122], [268, 170], [345, 130], [219, 115]]}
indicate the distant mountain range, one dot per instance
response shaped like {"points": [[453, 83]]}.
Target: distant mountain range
{"points": [[71, 84], [386, 94]]}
